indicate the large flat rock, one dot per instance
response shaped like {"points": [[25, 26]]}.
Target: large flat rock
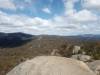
{"points": [[51, 65]]}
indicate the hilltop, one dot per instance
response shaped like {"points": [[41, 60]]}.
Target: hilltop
{"points": [[18, 47]]}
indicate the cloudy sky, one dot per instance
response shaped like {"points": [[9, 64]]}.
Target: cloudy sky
{"points": [[53, 17]]}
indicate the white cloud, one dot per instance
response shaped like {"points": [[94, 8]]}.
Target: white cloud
{"points": [[72, 22], [84, 16], [7, 4], [91, 4], [46, 10], [16, 23], [69, 7], [59, 25]]}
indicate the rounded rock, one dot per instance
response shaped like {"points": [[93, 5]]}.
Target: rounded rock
{"points": [[51, 65]]}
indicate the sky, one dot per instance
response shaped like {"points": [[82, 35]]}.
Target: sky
{"points": [[51, 17]]}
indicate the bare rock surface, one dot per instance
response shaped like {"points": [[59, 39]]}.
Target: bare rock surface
{"points": [[81, 57], [51, 65], [95, 66]]}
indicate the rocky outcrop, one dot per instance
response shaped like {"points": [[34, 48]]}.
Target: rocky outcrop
{"points": [[81, 57], [51, 65], [76, 49], [95, 66]]}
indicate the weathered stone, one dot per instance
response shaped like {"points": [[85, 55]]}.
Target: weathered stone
{"points": [[51, 65], [76, 49], [95, 66], [81, 57]]}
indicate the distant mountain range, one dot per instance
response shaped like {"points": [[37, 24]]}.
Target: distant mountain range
{"points": [[17, 39]]}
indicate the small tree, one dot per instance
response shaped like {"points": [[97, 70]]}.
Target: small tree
{"points": [[66, 50]]}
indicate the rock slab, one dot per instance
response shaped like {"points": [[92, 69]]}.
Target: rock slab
{"points": [[51, 65]]}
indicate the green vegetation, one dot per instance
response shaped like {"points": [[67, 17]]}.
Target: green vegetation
{"points": [[92, 49], [66, 50]]}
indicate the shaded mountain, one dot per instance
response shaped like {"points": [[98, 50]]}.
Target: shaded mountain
{"points": [[14, 39]]}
